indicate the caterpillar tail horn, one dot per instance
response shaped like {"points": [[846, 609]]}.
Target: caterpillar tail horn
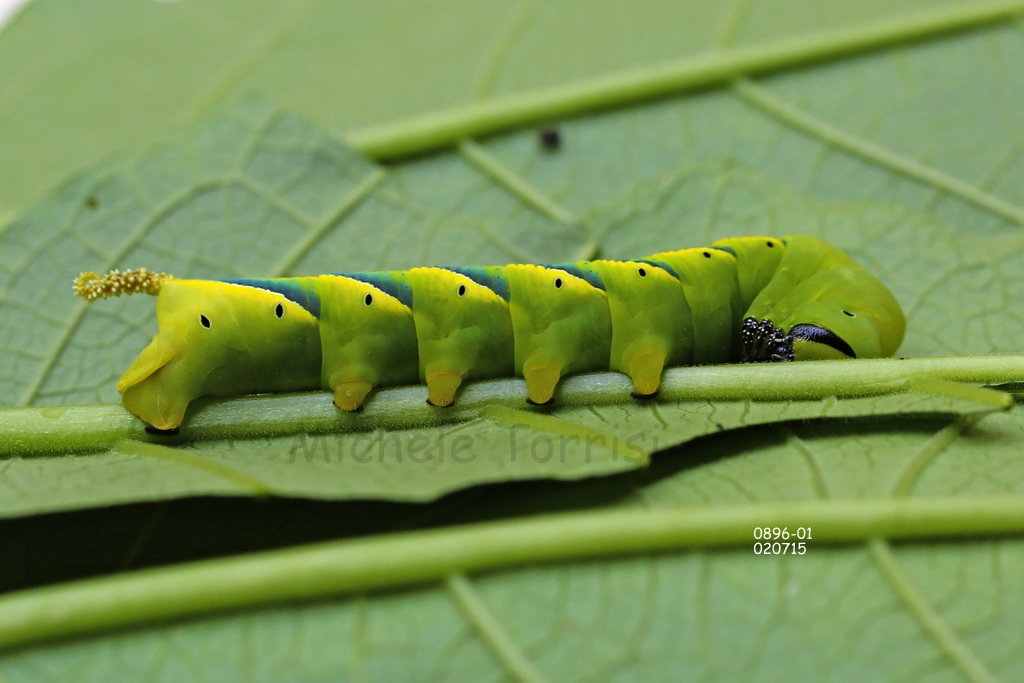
{"points": [[91, 286]]}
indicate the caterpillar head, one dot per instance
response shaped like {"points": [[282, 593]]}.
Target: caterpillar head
{"points": [[198, 344], [220, 339], [846, 313], [215, 339], [836, 332]]}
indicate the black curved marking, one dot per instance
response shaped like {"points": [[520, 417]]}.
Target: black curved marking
{"points": [[434, 405], [309, 300], [643, 397], [820, 335], [588, 276], [549, 402]]}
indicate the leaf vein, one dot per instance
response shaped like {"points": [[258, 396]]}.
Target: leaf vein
{"points": [[448, 127], [248, 60], [801, 447], [248, 482], [502, 175], [761, 99], [134, 239], [929, 621], [490, 630], [516, 23], [344, 567], [319, 231]]}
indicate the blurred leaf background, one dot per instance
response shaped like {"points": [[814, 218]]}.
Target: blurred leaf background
{"points": [[226, 138]]}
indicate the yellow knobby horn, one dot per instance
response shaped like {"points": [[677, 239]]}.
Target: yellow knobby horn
{"points": [[91, 286]]}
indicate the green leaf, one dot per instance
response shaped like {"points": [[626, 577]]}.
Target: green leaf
{"points": [[907, 154], [546, 618], [256, 191], [129, 70]]}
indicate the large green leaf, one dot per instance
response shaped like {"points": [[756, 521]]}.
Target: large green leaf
{"points": [[256, 191], [908, 155]]}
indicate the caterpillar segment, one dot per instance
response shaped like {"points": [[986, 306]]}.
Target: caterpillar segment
{"points": [[561, 324], [752, 299], [463, 328], [367, 334], [709, 282], [651, 322]]}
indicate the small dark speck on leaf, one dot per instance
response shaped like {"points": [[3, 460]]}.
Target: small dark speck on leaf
{"points": [[720, 427], [550, 139], [91, 202]]}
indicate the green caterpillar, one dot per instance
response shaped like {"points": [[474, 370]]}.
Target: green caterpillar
{"points": [[741, 299]]}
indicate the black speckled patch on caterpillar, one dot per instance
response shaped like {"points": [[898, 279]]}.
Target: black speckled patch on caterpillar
{"points": [[762, 342]]}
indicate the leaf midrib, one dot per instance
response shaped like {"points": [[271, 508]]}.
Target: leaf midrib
{"points": [[32, 431], [395, 560], [445, 128]]}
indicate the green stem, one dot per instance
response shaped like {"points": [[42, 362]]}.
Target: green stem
{"points": [[446, 128], [65, 429], [50, 430], [341, 567]]}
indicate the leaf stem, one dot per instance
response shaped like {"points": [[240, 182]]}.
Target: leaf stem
{"points": [[445, 128], [344, 567], [71, 429]]}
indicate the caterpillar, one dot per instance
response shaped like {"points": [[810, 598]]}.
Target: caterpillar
{"points": [[753, 299]]}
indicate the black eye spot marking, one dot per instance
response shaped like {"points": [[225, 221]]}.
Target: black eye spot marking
{"points": [[558, 283], [707, 254], [815, 333], [643, 273], [847, 313], [369, 299], [462, 290], [279, 311], [770, 244], [204, 321]]}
